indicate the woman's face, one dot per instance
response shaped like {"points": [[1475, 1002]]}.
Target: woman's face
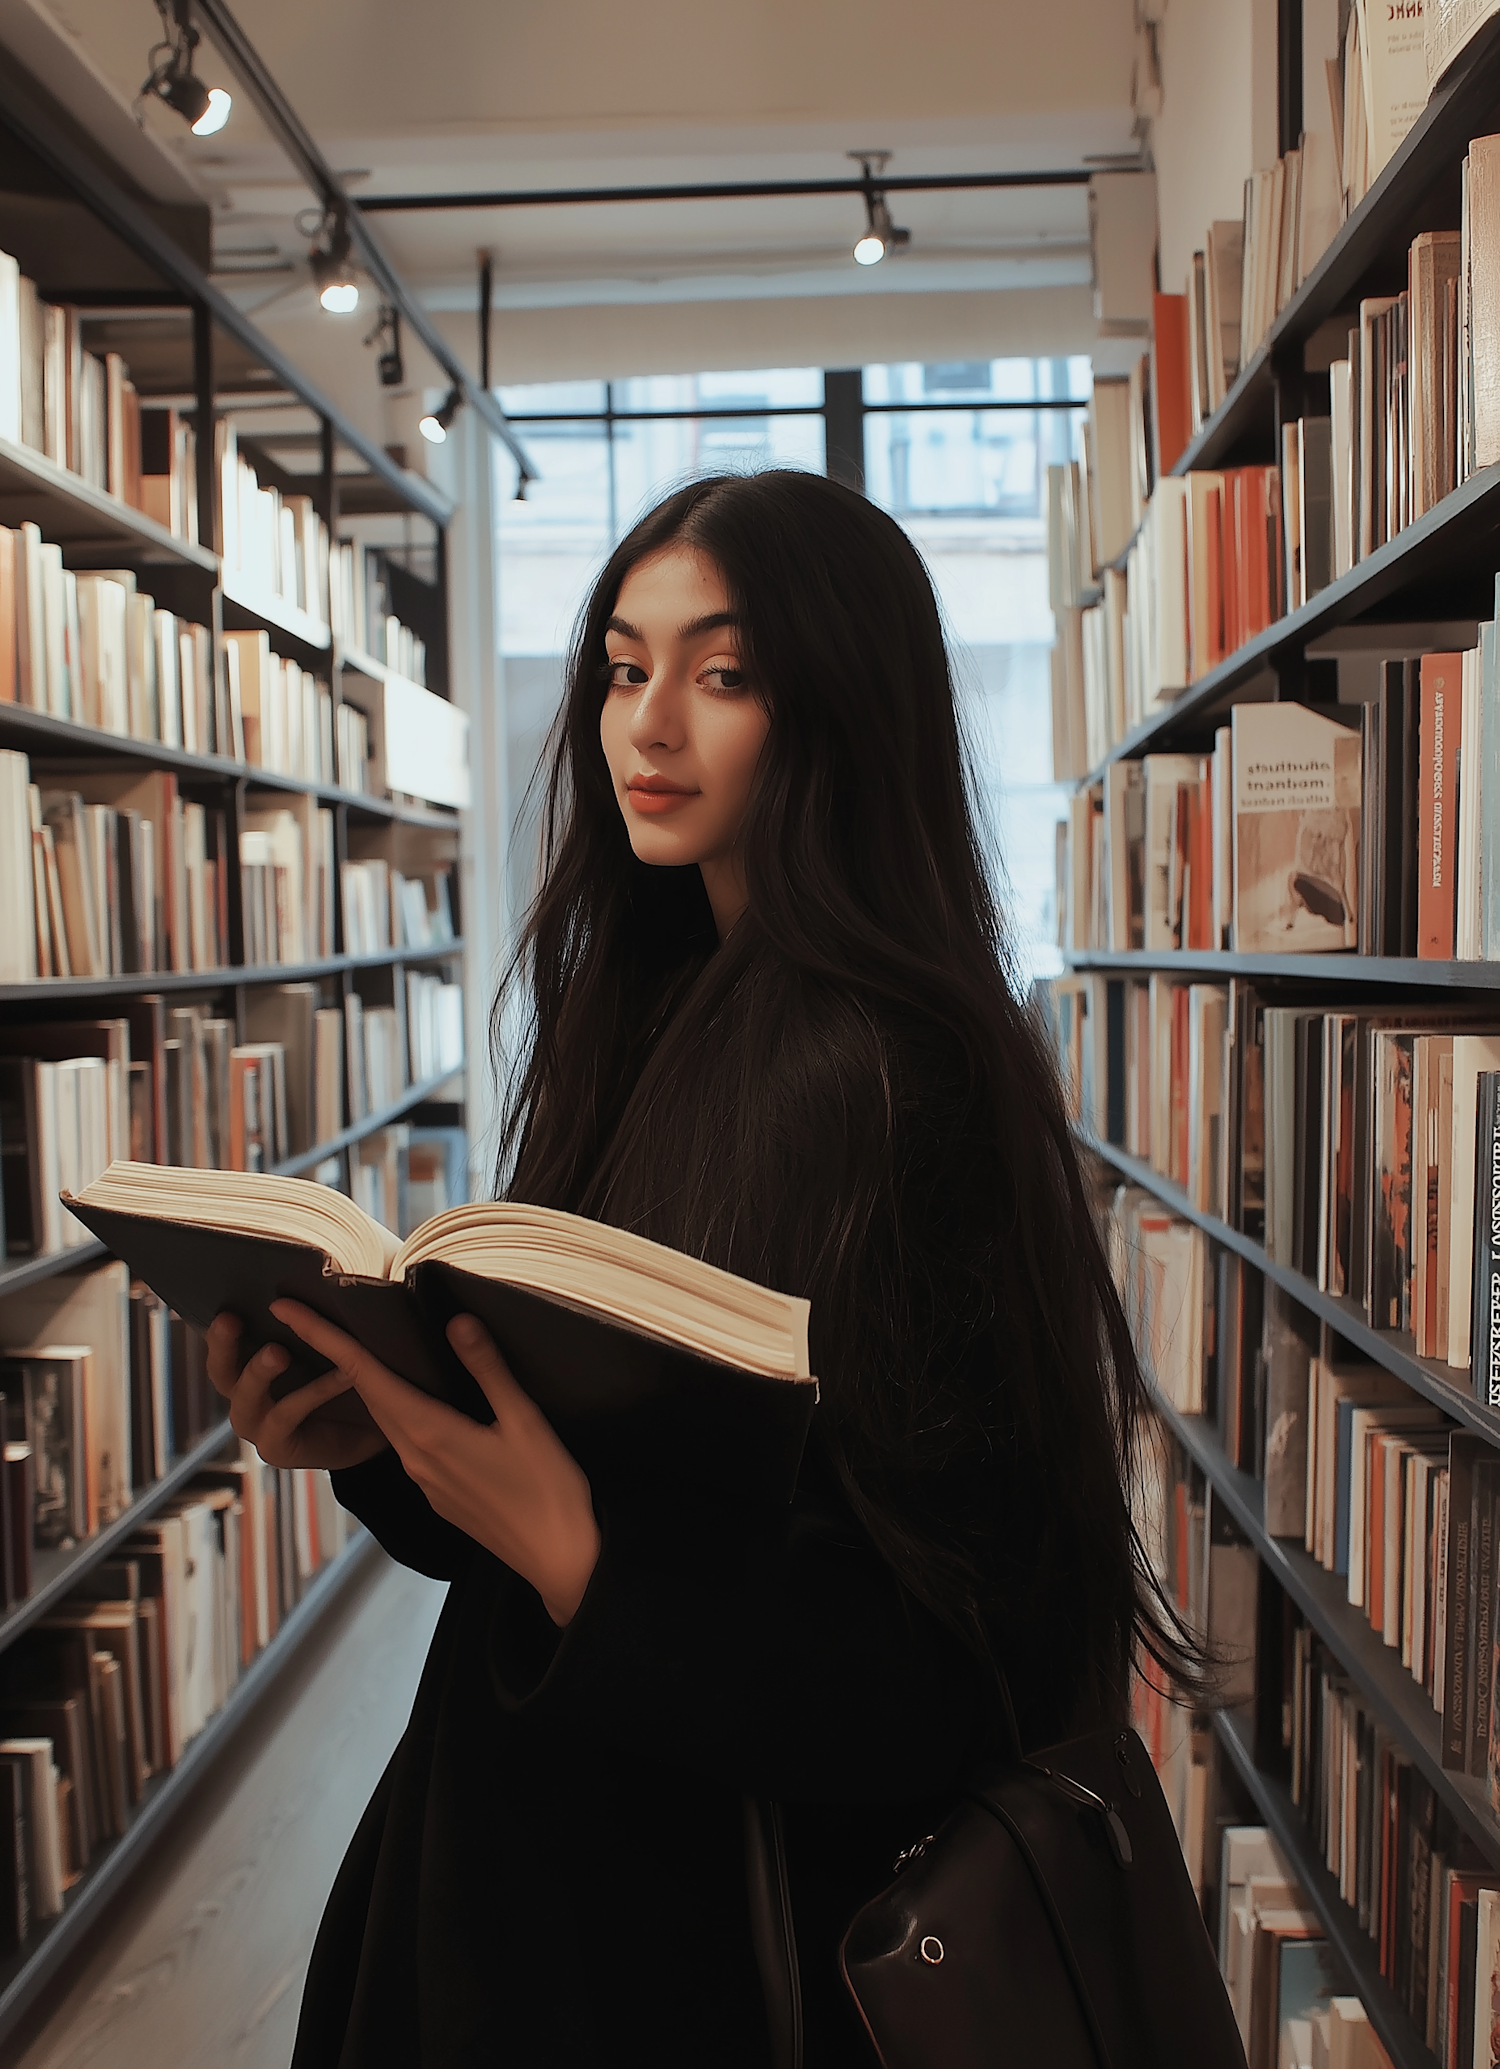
{"points": [[682, 729]]}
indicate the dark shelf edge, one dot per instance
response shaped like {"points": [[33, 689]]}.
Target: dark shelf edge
{"points": [[44, 1953], [75, 734], [46, 989], [1353, 1947], [1392, 1695], [386, 1118], [1404, 971], [1425, 1377], [1367, 583], [104, 1541]]}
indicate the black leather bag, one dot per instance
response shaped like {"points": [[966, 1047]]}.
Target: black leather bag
{"points": [[1049, 1921]]}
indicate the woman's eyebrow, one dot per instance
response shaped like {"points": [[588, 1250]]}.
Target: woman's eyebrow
{"points": [[624, 627], [711, 623]]}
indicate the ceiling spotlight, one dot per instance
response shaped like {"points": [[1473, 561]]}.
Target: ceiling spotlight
{"points": [[333, 269], [881, 234], [172, 78], [434, 426], [389, 367]]}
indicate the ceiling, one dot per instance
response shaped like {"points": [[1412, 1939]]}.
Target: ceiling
{"points": [[458, 96]]}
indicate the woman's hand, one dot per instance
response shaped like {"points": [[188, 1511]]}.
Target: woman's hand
{"points": [[321, 1427], [513, 1486]]}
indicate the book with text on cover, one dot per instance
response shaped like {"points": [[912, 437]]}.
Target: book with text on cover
{"points": [[649, 1363]]}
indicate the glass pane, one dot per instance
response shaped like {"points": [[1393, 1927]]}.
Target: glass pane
{"points": [[1007, 380], [775, 388], [651, 459], [551, 544], [989, 566], [973, 460], [553, 398]]}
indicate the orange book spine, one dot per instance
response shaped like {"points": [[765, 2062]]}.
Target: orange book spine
{"points": [[1201, 922], [1180, 1038], [1234, 559], [1169, 373], [1216, 646], [1439, 722]]}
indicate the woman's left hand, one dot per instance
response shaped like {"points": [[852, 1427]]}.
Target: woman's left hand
{"points": [[512, 1486]]}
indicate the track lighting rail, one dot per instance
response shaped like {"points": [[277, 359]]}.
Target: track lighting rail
{"points": [[284, 123], [724, 190]]}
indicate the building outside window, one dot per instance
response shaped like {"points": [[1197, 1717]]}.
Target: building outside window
{"points": [[957, 453]]}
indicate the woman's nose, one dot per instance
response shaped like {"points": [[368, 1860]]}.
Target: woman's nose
{"points": [[656, 720]]}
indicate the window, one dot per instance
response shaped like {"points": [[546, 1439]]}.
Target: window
{"points": [[956, 451]]}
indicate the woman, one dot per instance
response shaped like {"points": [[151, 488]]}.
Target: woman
{"points": [[771, 1025]]}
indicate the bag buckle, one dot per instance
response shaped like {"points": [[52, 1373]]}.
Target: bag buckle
{"points": [[1114, 1824]]}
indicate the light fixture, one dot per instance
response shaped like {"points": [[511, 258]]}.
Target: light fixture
{"points": [[390, 368], [333, 269], [434, 426], [172, 79], [881, 234]]}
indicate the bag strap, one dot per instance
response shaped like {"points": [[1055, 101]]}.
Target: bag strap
{"points": [[772, 1929]]}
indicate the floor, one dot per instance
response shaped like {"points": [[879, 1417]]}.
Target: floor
{"points": [[203, 1961]]}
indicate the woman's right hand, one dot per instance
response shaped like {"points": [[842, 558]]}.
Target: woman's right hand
{"points": [[321, 1427]]}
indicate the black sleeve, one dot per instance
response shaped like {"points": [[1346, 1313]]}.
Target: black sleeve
{"points": [[398, 1514], [781, 1658]]}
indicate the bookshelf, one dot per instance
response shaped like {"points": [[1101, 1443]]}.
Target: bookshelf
{"points": [[25, 1974], [209, 364], [1439, 567]]}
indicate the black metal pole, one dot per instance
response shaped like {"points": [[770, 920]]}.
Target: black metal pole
{"points": [[486, 299], [725, 190]]}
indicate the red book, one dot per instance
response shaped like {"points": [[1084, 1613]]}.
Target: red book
{"points": [[1438, 724], [1173, 413]]}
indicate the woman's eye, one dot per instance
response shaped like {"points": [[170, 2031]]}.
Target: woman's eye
{"points": [[729, 680], [627, 675]]}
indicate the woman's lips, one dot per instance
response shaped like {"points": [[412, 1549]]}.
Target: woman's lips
{"points": [[654, 795]]}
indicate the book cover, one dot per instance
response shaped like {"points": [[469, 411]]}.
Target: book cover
{"points": [[1439, 746], [1296, 830], [628, 1404]]}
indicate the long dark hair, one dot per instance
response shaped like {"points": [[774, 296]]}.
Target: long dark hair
{"points": [[847, 1099]]}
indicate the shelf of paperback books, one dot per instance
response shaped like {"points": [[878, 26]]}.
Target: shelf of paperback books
{"points": [[56, 1573], [1391, 1694], [1452, 544], [28, 1271], [1421, 175], [83, 518], [1350, 1942], [27, 1970], [1435, 1382]]}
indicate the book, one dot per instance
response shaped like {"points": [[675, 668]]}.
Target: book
{"points": [[637, 1353], [1296, 829]]}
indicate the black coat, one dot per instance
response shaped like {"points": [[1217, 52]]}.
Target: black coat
{"points": [[551, 1872]]}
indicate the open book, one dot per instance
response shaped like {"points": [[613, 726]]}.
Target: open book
{"points": [[643, 1358]]}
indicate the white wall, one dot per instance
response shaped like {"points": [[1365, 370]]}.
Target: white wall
{"points": [[1218, 119], [476, 683]]}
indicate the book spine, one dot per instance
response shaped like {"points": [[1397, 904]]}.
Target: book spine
{"points": [[1439, 737], [1484, 1319], [1455, 1690]]}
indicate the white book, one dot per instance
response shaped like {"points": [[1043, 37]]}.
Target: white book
{"points": [[1169, 524], [31, 621], [10, 349], [17, 892]]}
